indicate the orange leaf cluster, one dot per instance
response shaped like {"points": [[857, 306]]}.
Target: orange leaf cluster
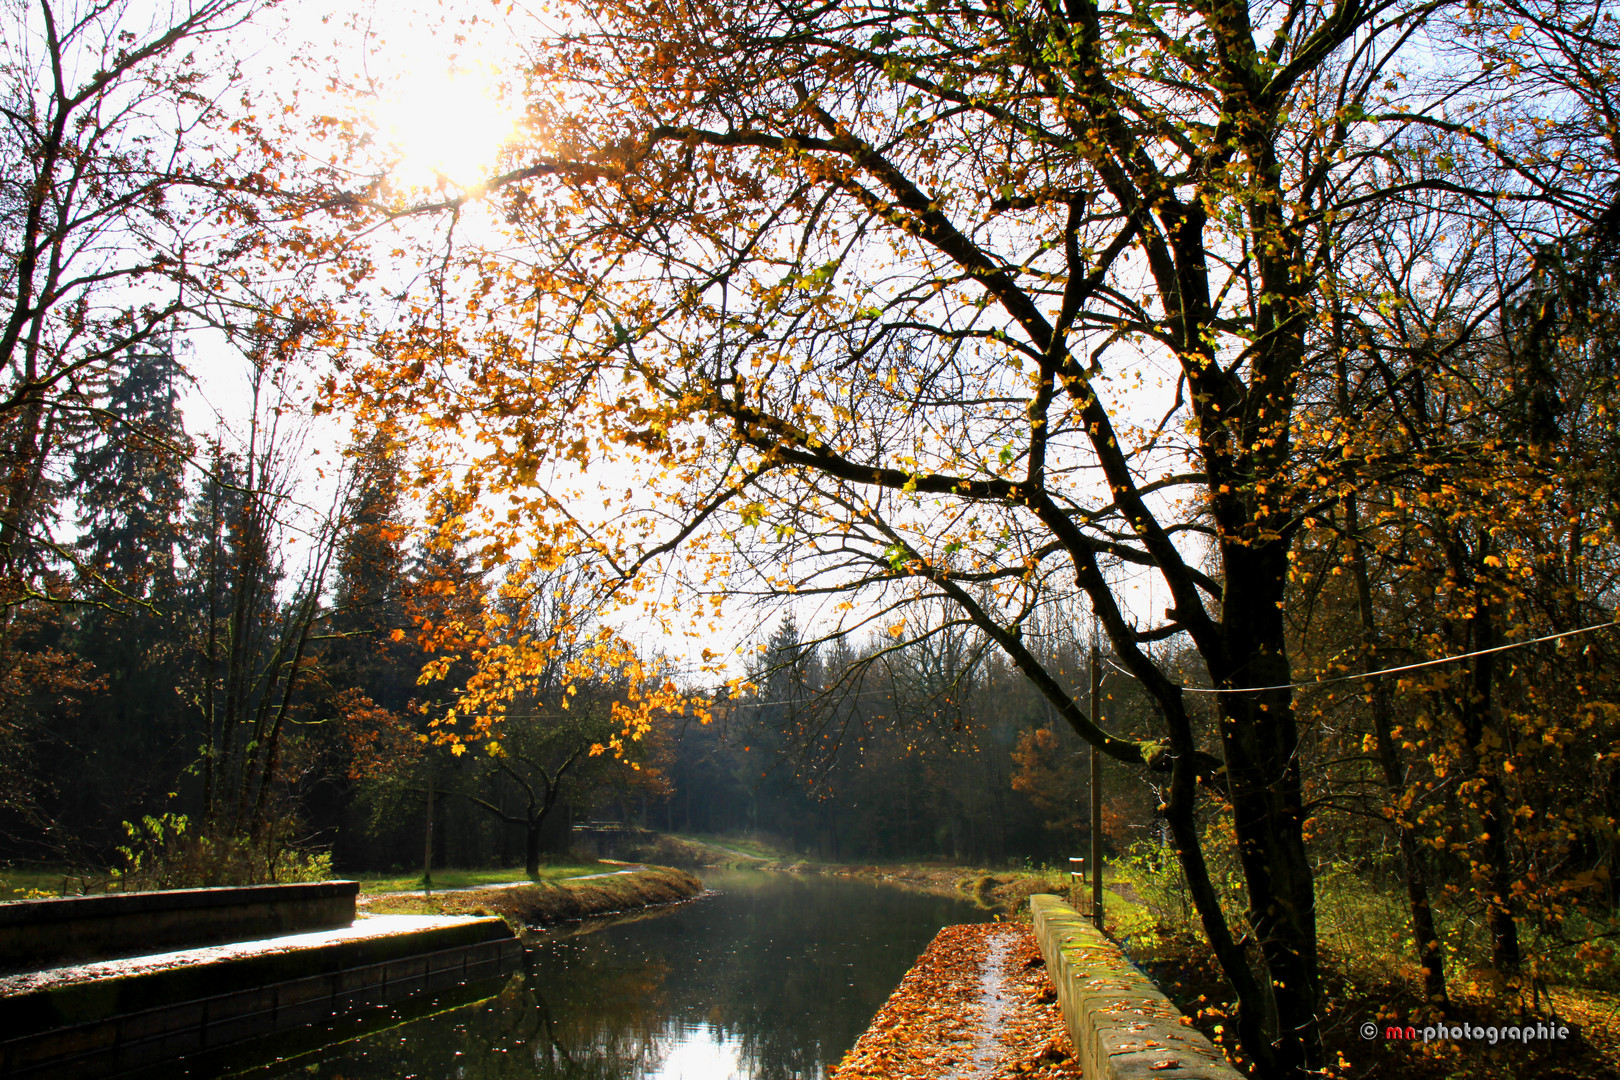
{"points": [[945, 1021]]}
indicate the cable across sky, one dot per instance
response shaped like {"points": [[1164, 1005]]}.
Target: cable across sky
{"points": [[1383, 671]]}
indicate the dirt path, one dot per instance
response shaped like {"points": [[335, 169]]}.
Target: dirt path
{"points": [[976, 1006]]}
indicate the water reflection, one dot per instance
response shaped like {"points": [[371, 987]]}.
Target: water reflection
{"points": [[771, 979]]}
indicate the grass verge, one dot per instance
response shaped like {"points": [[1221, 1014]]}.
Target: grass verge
{"points": [[375, 884], [20, 883], [1004, 891], [548, 902], [31, 883]]}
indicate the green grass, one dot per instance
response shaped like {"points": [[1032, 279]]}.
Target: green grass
{"points": [[553, 900], [749, 845], [23, 883], [375, 884]]}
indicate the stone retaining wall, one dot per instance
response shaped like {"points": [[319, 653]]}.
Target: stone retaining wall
{"points": [[37, 933], [107, 1027], [1122, 1026]]}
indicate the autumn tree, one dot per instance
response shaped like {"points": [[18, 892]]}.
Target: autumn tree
{"points": [[549, 735], [116, 224], [1472, 379], [887, 304]]}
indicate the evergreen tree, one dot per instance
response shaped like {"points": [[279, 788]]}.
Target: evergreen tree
{"points": [[128, 479]]}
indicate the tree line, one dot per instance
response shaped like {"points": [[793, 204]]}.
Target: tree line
{"points": [[210, 661]]}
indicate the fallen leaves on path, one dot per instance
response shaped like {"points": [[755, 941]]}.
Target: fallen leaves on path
{"points": [[929, 1027]]}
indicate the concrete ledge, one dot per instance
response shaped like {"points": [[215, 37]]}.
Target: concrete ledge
{"points": [[108, 1019], [1122, 1026], [34, 933]]}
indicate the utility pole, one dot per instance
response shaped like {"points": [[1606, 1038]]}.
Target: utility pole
{"points": [[1096, 789]]}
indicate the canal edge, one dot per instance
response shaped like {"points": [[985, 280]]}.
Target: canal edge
{"points": [[1123, 1026]]}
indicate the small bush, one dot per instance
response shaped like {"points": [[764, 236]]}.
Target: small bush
{"points": [[167, 852]]}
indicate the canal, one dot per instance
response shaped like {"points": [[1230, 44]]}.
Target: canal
{"points": [[770, 977]]}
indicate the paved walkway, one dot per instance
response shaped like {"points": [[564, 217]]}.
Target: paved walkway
{"points": [[991, 1011]]}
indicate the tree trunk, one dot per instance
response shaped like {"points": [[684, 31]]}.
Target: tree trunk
{"points": [[1494, 824], [1430, 957], [427, 838], [531, 845], [1261, 745], [1474, 707]]}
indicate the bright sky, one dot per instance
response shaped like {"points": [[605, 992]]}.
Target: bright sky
{"points": [[437, 86], [434, 93]]}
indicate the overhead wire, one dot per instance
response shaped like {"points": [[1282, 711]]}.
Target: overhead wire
{"points": [[1351, 676], [1383, 671]]}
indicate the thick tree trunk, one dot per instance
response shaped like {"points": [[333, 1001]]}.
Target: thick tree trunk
{"points": [[1252, 1032], [1261, 744], [531, 845]]}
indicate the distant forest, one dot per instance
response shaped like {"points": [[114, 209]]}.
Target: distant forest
{"points": [[251, 668]]}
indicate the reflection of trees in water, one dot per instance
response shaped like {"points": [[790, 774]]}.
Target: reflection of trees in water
{"points": [[599, 1022], [785, 970], [599, 1014], [799, 970]]}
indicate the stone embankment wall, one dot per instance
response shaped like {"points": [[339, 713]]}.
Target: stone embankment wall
{"points": [[36, 932], [102, 1020], [1122, 1026], [221, 977]]}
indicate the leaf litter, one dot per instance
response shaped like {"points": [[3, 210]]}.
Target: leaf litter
{"points": [[977, 1005]]}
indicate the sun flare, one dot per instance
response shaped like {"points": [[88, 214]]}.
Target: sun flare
{"points": [[446, 126]]}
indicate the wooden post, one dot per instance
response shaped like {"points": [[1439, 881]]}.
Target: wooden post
{"points": [[1096, 790], [1077, 882]]}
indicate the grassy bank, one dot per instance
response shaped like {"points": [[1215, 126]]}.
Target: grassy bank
{"points": [[1003, 890], [547, 902], [29, 883], [375, 884], [22, 883]]}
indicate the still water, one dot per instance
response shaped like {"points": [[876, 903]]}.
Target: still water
{"points": [[773, 977]]}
